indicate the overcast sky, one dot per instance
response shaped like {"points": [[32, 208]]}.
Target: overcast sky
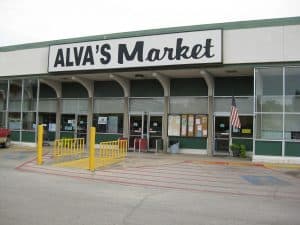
{"points": [[24, 21]]}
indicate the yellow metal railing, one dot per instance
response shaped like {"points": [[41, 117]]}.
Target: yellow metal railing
{"points": [[110, 152], [72, 152], [72, 147], [112, 149]]}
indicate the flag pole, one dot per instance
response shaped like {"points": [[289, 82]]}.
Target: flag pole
{"points": [[234, 119], [230, 136], [230, 129]]}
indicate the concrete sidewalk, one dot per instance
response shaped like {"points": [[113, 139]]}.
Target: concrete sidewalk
{"points": [[156, 188], [135, 159], [157, 159]]}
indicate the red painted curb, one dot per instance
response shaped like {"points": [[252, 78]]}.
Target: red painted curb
{"points": [[225, 163]]}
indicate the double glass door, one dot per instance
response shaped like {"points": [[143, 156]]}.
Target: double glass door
{"points": [[74, 126], [147, 126], [222, 134]]}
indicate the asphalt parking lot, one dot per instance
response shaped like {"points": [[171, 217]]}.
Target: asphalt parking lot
{"points": [[147, 189]]}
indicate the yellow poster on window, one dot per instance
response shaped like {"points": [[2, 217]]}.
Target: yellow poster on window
{"points": [[246, 131]]}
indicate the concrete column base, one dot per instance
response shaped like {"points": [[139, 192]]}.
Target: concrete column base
{"points": [[165, 124], [58, 118], [210, 136], [89, 118], [126, 118]]}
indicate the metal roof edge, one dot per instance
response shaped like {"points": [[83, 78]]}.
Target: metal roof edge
{"points": [[224, 26], [230, 65]]}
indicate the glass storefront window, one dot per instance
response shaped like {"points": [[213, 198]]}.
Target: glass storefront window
{"points": [[29, 103], [246, 130], [269, 89], [292, 89], [3, 95], [292, 127], [292, 103], [47, 105], [189, 105], [29, 121], [269, 126], [269, 81], [68, 122], [30, 95], [2, 119], [108, 123], [15, 96], [14, 106], [3, 102], [269, 103], [49, 121], [22, 118], [146, 104], [14, 121], [244, 104]]}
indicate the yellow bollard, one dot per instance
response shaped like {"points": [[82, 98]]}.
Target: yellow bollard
{"points": [[39, 158], [92, 149]]}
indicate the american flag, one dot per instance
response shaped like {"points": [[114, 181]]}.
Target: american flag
{"points": [[234, 115]]}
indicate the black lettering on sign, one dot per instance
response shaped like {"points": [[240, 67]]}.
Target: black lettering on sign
{"points": [[59, 60], [207, 47], [170, 52], [136, 52], [181, 51], [153, 55], [68, 62], [97, 48], [128, 53], [106, 55], [88, 56], [78, 55], [196, 50]]}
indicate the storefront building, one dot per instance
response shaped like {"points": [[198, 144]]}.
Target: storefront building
{"points": [[163, 87]]}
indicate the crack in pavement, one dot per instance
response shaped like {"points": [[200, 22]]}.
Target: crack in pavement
{"points": [[136, 207]]}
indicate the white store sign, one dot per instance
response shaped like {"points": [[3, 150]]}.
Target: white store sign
{"points": [[198, 47]]}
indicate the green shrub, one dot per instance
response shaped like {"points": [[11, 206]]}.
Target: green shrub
{"points": [[243, 151], [235, 148]]}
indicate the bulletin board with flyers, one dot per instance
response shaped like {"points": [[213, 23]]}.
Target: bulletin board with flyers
{"points": [[174, 125], [187, 125]]}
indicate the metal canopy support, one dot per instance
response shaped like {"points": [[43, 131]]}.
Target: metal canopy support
{"points": [[125, 84], [89, 85], [56, 85], [165, 83], [211, 86]]}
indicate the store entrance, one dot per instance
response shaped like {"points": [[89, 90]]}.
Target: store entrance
{"points": [[74, 126], [81, 131], [145, 131], [222, 135]]}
